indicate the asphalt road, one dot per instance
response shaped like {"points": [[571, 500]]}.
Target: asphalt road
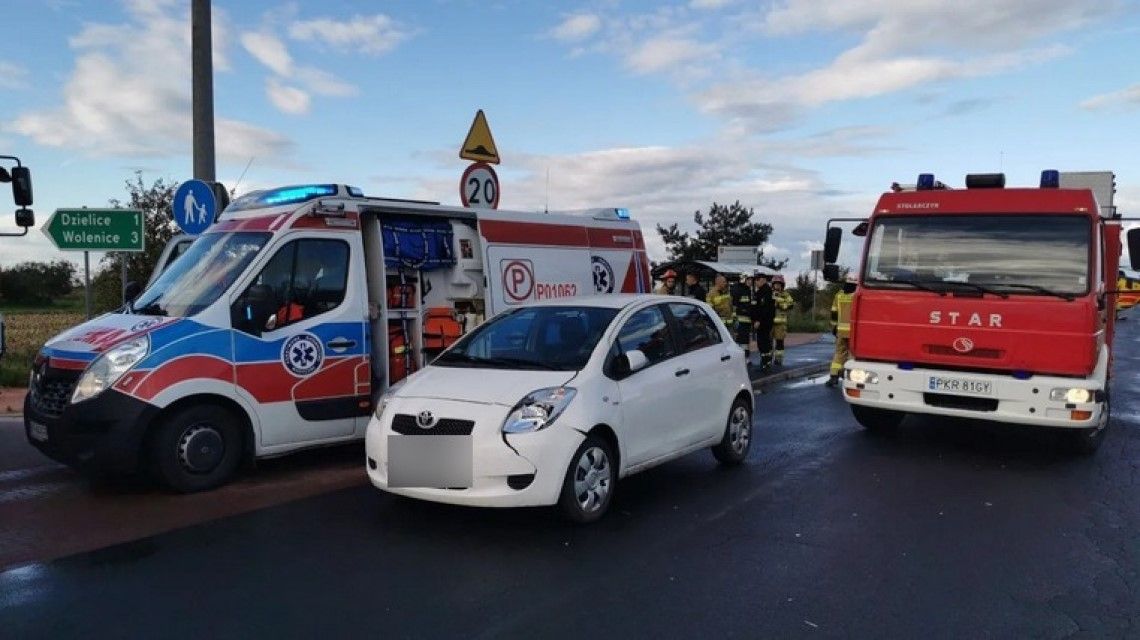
{"points": [[950, 529]]}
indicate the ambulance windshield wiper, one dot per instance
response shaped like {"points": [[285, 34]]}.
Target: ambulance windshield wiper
{"points": [[1039, 289], [151, 309]]}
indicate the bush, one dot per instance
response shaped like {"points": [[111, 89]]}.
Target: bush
{"points": [[36, 283]]}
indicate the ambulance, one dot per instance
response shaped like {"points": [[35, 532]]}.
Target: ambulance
{"points": [[280, 327]]}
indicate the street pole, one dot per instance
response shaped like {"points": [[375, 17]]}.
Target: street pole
{"points": [[202, 91], [123, 276], [87, 282]]}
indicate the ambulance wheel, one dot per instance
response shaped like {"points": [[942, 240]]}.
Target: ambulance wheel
{"points": [[589, 483], [877, 421], [196, 448], [733, 447]]}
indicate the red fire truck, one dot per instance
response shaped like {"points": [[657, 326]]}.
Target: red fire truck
{"points": [[986, 302]]}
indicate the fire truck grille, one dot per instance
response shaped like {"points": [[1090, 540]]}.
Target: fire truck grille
{"points": [[947, 401], [405, 424], [942, 350], [52, 393]]}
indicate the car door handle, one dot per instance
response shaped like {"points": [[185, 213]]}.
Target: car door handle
{"points": [[341, 344], [681, 372], [726, 357]]}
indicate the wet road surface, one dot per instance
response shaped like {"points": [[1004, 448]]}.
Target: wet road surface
{"points": [[950, 529]]}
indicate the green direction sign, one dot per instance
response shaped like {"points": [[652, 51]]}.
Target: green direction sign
{"points": [[96, 229]]}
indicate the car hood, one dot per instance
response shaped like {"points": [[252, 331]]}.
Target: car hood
{"points": [[485, 386]]}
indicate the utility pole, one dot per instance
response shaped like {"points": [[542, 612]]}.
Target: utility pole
{"points": [[202, 71]]}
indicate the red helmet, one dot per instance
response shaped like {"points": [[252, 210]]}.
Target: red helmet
{"points": [[777, 278], [669, 274]]}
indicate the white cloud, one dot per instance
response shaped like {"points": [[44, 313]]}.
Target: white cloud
{"points": [[129, 93], [375, 34], [286, 98], [577, 27], [1128, 97], [13, 76], [269, 51], [710, 4], [324, 83], [668, 52]]}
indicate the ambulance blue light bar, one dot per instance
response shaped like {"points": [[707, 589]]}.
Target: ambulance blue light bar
{"points": [[622, 213], [1050, 179], [290, 195]]}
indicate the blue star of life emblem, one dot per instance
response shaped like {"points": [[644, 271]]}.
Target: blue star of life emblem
{"points": [[302, 354]]}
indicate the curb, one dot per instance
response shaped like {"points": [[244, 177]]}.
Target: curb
{"points": [[790, 374]]}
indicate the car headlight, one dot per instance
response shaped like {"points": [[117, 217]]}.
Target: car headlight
{"points": [[1074, 395], [109, 367], [538, 409], [862, 376]]}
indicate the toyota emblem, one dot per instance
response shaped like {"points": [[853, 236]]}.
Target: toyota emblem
{"points": [[425, 420], [963, 345]]}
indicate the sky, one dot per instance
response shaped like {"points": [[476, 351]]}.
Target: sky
{"points": [[801, 110]]}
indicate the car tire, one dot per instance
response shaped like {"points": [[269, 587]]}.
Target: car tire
{"points": [[877, 421], [196, 448], [1085, 442], [590, 481], [737, 441]]}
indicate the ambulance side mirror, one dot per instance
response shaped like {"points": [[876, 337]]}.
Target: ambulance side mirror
{"points": [[254, 312], [131, 291], [1134, 248], [831, 244]]}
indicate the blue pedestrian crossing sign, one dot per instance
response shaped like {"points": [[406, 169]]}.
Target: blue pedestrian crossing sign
{"points": [[194, 207]]}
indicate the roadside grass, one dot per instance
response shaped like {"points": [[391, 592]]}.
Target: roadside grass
{"points": [[27, 329], [800, 322]]}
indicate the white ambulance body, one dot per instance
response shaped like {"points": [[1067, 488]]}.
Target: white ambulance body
{"points": [[280, 327]]}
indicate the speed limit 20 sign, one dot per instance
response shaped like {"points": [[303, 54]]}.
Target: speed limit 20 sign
{"points": [[479, 187]]}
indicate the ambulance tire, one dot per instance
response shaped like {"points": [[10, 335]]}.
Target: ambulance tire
{"points": [[196, 448], [877, 421]]}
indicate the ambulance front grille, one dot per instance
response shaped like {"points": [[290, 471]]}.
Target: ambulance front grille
{"points": [[52, 393]]}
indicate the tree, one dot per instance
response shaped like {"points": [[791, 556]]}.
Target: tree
{"points": [[36, 282], [155, 202], [804, 291], [727, 225]]}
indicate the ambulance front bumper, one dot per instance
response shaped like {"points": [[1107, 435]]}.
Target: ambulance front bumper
{"points": [[1001, 398], [104, 433], [518, 470]]}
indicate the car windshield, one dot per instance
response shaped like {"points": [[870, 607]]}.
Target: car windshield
{"points": [[551, 338], [1034, 254], [200, 275]]}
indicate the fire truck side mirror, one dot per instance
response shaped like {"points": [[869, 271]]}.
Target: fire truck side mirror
{"points": [[22, 186], [831, 273], [831, 245], [1134, 248]]}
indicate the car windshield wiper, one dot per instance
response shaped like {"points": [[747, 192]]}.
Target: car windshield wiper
{"points": [[978, 287], [457, 356], [1039, 289], [917, 284]]}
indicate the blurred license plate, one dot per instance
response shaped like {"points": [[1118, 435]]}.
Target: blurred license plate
{"points": [[438, 462], [38, 431], [966, 386]]}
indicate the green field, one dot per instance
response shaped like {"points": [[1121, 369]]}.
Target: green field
{"points": [[28, 328]]}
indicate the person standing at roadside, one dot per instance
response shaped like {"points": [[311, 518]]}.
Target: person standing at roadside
{"points": [[668, 284], [784, 303], [720, 299], [841, 328], [742, 305], [763, 315], [693, 287]]}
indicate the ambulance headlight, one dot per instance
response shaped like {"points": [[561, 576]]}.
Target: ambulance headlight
{"points": [[862, 376], [109, 367], [538, 409], [1075, 395]]}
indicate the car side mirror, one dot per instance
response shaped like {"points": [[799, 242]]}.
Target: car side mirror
{"points": [[131, 291], [831, 273], [1134, 248], [831, 244], [636, 359]]}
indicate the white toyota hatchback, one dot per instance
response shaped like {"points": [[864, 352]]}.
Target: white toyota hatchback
{"points": [[551, 403]]}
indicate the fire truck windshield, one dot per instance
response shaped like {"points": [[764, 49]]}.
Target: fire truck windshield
{"points": [[1001, 254], [200, 275]]}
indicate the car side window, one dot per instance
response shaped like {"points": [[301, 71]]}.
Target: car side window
{"points": [[695, 330], [305, 278], [647, 332]]}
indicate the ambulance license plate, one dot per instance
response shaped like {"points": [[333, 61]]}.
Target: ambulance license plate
{"points": [[437, 462], [38, 431], [964, 386]]}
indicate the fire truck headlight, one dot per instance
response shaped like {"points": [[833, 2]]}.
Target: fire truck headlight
{"points": [[109, 367], [862, 376], [1074, 395]]}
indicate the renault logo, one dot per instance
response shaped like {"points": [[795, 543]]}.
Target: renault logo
{"points": [[425, 420], [963, 345]]}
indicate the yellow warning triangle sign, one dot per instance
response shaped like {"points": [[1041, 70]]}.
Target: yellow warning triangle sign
{"points": [[479, 145]]}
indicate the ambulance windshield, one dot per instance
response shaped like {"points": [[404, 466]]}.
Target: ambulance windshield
{"points": [[200, 275], [998, 254]]}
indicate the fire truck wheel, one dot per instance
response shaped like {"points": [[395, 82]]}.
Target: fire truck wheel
{"points": [[589, 483], [878, 421], [196, 448], [1087, 441], [733, 447]]}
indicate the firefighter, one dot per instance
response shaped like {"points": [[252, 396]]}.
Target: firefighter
{"points": [[841, 328], [721, 300], [742, 306], [693, 287], [763, 317], [668, 283], [784, 304]]}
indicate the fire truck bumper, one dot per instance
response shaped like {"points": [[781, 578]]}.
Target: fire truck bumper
{"points": [[1047, 401]]}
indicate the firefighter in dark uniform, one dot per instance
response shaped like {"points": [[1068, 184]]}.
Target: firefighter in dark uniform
{"points": [[763, 318], [742, 303]]}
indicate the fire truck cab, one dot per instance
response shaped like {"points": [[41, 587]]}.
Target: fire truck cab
{"points": [[279, 328], [986, 302]]}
